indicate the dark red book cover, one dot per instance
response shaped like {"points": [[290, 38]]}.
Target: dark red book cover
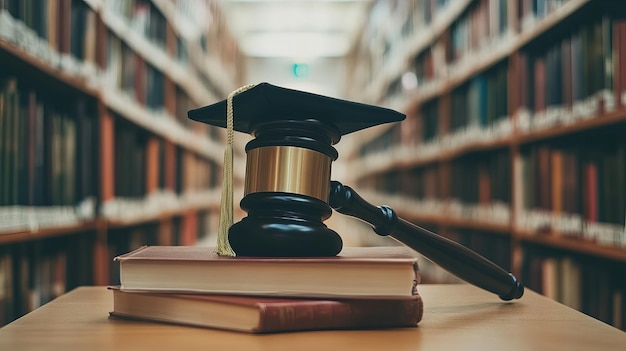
{"points": [[265, 315]]}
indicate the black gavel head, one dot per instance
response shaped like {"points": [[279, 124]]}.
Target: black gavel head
{"points": [[288, 166]]}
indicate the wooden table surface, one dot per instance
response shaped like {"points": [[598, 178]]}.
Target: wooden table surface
{"points": [[456, 317]]}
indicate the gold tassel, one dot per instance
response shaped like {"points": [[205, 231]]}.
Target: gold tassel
{"points": [[226, 205]]}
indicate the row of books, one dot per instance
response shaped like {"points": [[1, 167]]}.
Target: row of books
{"points": [[67, 25], [594, 286], [33, 273], [485, 22], [424, 67], [389, 150], [576, 190], [481, 101], [477, 112], [61, 33], [156, 163], [482, 178], [194, 286], [396, 147], [161, 123], [47, 148], [575, 75], [587, 92], [530, 11], [585, 180], [476, 178], [439, 210], [425, 11], [143, 17], [48, 154], [419, 183], [126, 71], [184, 103], [430, 121], [130, 160], [198, 174], [152, 176], [383, 141]]}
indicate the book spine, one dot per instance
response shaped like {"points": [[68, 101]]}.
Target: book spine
{"points": [[340, 315]]}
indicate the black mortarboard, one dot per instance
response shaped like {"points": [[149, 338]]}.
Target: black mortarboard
{"points": [[267, 102]]}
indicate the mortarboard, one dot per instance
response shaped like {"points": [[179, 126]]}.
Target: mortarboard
{"points": [[266, 102]]}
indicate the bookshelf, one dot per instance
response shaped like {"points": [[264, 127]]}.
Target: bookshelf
{"points": [[513, 143], [97, 156]]}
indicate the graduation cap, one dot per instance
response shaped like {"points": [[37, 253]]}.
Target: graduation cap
{"points": [[265, 102], [288, 192], [288, 165]]}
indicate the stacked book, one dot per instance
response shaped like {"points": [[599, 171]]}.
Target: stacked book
{"points": [[361, 288]]}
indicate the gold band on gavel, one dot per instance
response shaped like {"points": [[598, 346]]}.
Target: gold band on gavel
{"points": [[288, 169]]}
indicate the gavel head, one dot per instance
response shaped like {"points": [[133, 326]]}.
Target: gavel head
{"points": [[288, 166]]}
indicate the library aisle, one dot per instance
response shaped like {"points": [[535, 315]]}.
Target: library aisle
{"points": [[513, 142]]}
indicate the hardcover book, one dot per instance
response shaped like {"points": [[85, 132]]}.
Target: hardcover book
{"points": [[264, 314], [357, 272]]}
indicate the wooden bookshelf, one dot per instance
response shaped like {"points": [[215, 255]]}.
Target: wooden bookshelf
{"points": [[97, 155], [605, 120], [10, 51], [515, 113], [575, 244], [48, 232]]}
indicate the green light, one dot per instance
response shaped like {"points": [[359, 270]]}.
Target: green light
{"points": [[300, 70]]}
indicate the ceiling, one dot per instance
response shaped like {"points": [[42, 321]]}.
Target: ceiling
{"points": [[296, 29]]}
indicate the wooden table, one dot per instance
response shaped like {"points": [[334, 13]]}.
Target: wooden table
{"points": [[456, 317]]}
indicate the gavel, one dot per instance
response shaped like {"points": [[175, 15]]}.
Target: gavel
{"points": [[288, 193]]}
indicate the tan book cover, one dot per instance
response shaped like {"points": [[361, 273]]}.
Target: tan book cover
{"points": [[357, 272]]}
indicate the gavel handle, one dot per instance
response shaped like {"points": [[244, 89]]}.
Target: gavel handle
{"points": [[451, 256]]}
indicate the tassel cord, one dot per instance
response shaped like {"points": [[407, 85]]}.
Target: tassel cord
{"points": [[223, 247]]}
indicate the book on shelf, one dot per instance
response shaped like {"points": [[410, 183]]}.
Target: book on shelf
{"points": [[46, 156], [357, 272], [575, 190], [592, 286], [266, 314]]}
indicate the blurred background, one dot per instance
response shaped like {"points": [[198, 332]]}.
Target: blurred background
{"points": [[513, 142]]}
